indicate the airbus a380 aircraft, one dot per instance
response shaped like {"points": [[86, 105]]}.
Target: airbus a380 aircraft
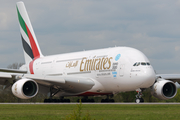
{"points": [[87, 73]]}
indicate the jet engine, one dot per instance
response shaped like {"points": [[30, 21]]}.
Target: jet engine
{"points": [[164, 89], [25, 88]]}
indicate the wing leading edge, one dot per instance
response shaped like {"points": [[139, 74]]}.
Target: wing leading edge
{"points": [[172, 77], [67, 84], [12, 70]]}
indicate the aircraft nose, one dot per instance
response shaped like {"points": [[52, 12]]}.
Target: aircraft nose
{"points": [[148, 77]]}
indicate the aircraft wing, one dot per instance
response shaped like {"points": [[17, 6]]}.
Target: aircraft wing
{"points": [[172, 77], [12, 70], [6, 79], [67, 84], [8, 75]]}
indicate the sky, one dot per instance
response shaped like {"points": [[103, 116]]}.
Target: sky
{"points": [[63, 26]]}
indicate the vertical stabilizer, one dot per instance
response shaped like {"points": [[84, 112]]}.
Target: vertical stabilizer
{"points": [[29, 41]]}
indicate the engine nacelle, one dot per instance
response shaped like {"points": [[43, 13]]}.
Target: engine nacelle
{"points": [[164, 89], [25, 88]]}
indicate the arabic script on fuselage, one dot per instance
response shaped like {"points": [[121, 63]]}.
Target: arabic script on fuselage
{"points": [[71, 64]]}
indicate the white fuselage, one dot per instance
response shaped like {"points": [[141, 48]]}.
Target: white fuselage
{"points": [[111, 69]]}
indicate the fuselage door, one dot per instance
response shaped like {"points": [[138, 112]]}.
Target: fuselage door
{"points": [[121, 70]]}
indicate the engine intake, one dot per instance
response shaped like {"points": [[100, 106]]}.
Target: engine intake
{"points": [[164, 89], [25, 88], [29, 88]]}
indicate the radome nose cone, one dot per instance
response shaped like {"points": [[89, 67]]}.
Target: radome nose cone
{"points": [[148, 78]]}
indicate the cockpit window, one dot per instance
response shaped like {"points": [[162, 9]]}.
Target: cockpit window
{"points": [[138, 64], [142, 63], [134, 64]]}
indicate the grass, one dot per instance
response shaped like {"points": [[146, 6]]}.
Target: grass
{"points": [[96, 111]]}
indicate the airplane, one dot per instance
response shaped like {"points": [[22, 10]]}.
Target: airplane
{"points": [[97, 72]]}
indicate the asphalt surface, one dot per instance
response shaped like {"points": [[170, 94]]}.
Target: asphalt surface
{"points": [[103, 103]]}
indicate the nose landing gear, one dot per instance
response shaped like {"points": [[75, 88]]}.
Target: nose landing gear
{"points": [[139, 98]]}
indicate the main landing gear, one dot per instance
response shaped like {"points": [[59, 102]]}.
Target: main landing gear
{"points": [[107, 100], [53, 91], [86, 100], [139, 98], [61, 100]]}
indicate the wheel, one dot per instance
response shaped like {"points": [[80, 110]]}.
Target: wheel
{"points": [[54, 100], [111, 100], [91, 100], [45, 100], [102, 101], [106, 100], [83, 100], [67, 100], [138, 100], [141, 100]]}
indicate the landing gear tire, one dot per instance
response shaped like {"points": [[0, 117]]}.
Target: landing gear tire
{"points": [[108, 99], [47, 100], [56, 100], [53, 91], [139, 100], [142, 100]]}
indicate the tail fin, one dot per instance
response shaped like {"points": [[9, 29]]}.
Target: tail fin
{"points": [[29, 41]]}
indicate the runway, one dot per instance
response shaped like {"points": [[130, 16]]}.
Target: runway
{"points": [[98, 103]]}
